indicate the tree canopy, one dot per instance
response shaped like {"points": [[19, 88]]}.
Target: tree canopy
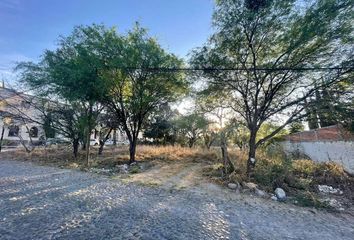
{"points": [[272, 43]]}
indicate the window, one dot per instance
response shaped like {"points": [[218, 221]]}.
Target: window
{"points": [[13, 131], [33, 132]]}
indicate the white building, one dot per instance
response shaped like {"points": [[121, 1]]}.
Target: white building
{"points": [[20, 120], [15, 110]]}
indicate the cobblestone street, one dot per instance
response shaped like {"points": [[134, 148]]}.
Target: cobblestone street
{"points": [[38, 202]]}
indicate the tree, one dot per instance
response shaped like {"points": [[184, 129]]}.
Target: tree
{"points": [[135, 88], [71, 73], [240, 136], [160, 127], [271, 44], [332, 105], [296, 127], [192, 127], [216, 106], [108, 123]]}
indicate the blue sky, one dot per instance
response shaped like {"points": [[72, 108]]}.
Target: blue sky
{"points": [[27, 27]]}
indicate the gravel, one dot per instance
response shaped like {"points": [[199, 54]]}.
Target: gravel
{"points": [[38, 202]]}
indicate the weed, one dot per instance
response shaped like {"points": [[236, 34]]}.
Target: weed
{"points": [[310, 199]]}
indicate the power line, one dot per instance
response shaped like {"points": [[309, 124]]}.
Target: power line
{"points": [[242, 69]]}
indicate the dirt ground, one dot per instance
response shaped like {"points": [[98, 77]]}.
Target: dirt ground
{"points": [[170, 168]]}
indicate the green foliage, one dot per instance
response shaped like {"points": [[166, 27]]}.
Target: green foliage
{"points": [[191, 127], [267, 128], [49, 129], [135, 89], [310, 199], [70, 74], [261, 37], [96, 66], [130, 80], [271, 173], [160, 126], [214, 171], [72, 70], [333, 105], [296, 127], [134, 169]]}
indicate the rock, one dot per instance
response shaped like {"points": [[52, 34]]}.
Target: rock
{"points": [[329, 189], [273, 197], [232, 186], [280, 194], [333, 203], [100, 170], [123, 168], [261, 193], [249, 185]]}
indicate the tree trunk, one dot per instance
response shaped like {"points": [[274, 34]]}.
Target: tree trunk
{"points": [[132, 149], [28, 150], [191, 142], [88, 135], [114, 137], [100, 149], [251, 163], [2, 136], [75, 147], [103, 141], [228, 165], [87, 155]]}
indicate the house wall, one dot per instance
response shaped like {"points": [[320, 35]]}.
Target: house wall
{"points": [[331, 143], [22, 131], [13, 103], [341, 152]]}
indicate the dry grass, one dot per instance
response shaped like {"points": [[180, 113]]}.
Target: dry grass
{"points": [[169, 165], [176, 153], [62, 156]]}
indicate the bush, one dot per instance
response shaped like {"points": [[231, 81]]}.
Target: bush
{"points": [[271, 173], [214, 170], [303, 168], [134, 169], [309, 199], [293, 175]]}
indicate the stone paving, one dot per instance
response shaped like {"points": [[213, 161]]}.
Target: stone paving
{"points": [[38, 202]]}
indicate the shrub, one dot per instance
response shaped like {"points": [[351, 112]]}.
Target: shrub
{"points": [[309, 199], [214, 170], [271, 173], [303, 167], [134, 169]]}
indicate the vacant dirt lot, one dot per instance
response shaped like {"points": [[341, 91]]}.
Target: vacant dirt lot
{"points": [[38, 202]]}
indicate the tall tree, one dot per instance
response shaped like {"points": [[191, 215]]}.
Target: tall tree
{"points": [[269, 42], [71, 73], [333, 105], [135, 88]]}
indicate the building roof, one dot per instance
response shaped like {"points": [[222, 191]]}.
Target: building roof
{"points": [[331, 133]]}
